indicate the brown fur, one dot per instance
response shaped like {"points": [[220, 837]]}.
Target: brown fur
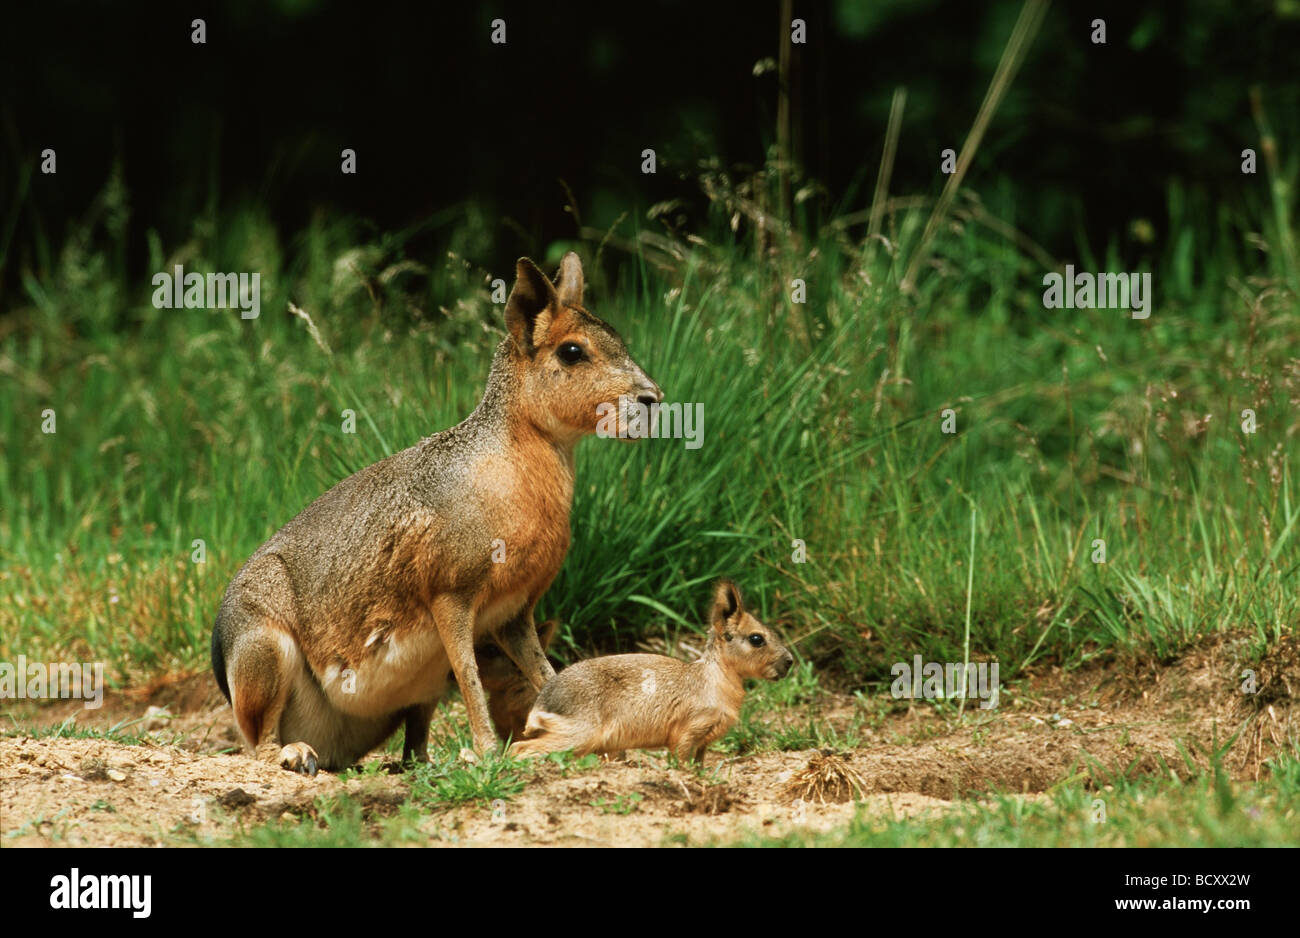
{"points": [[510, 695], [351, 619], [651, 701]]}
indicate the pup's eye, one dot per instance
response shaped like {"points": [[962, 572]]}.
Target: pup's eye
{"points": [[570, 353], [757, 640]]}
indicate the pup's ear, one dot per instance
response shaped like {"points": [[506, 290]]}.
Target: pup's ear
{"points": [[570, 282], [546, 632], [727, 606], [529, 308]]}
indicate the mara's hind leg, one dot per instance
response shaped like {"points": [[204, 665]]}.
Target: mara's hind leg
{"points": [[537, 746], [257, 665], [549, 732], [337, 739], [415, 746]]}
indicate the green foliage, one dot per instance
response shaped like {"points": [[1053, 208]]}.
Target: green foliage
{"points": [[569, 763], [333, 821], [448, 780], [784, 715], [68, 729], [821, 423]]}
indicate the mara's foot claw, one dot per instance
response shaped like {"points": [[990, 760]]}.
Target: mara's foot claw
{"points": [[299, 757]]}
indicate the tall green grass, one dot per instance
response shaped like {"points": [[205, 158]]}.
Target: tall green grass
{"points": [[822, 423]]}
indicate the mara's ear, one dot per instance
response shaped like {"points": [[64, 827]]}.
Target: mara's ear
{"points": [[546, 632], [570, 282], [727, 606], [528, 310]]}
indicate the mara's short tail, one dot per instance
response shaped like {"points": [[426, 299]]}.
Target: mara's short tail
{"points": [[219, 663]]}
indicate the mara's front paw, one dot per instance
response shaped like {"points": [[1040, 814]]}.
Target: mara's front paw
{"points": [[299, 757]]}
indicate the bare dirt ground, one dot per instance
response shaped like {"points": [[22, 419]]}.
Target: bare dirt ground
{"points": [[182, 784]]}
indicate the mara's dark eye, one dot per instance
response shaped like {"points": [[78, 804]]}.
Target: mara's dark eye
{"points": [[757, 640], [570, 353]]}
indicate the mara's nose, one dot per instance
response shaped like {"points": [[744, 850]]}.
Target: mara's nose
{"points": [[649, 393]]}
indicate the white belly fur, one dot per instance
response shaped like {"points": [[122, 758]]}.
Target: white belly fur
{"points": [[408, 670]]}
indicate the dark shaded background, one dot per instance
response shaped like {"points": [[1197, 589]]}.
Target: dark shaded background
{"points": [[1087, 141]]}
